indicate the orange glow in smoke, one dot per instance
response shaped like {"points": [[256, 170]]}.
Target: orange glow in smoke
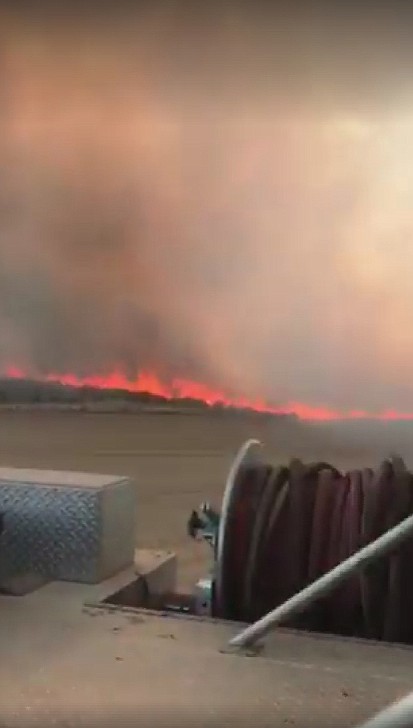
{"points": [[150, 383]]}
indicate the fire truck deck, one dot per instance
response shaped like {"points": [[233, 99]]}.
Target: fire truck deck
{"points": [[70, 659]]}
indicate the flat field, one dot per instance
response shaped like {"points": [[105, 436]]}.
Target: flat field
{"points": [[179, 460]]}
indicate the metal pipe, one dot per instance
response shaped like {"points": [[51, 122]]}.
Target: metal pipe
{"points": [[322, 586], [397, 715]]}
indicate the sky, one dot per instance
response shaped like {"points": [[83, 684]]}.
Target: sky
{"points": [[220, 195]]}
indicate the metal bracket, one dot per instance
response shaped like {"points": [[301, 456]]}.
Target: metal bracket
{"points": [[204, 525]]}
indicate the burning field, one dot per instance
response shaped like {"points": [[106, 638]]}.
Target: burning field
{"points": [[212, 206], [147, 390]]}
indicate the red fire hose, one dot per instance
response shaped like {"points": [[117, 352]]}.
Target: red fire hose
{"points": [[287, 526]]}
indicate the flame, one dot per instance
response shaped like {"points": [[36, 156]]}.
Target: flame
{"points": [[150, 383]]}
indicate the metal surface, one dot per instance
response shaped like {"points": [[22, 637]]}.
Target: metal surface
{"points": [[247, 455], [398, 715], [66, 526], [381, 546], [68, 666], [203, 597]]}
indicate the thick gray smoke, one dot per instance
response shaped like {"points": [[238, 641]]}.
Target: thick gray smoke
{"points": [[224, 198]]}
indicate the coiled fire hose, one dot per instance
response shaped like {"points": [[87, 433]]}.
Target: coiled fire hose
{"points": [[287, 526]]}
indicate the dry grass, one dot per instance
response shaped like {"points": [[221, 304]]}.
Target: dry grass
{"points": [[176, 460]]}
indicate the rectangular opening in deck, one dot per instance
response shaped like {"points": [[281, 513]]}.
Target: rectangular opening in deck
{"points": [[138, 596]]}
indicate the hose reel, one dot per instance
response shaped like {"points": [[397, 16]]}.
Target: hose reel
{"points": [[281, 528]]}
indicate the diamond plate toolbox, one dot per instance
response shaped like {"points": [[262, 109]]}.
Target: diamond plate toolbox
{"points": [[66, 526]]}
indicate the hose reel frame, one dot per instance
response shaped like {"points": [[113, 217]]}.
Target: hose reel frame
{"points": [[248, 456]]}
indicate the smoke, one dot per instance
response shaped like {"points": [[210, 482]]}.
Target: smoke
{"points": [[223, 196]]}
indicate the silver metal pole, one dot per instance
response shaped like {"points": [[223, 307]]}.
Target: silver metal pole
{"points": [[319, 588], [398, 715]]}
